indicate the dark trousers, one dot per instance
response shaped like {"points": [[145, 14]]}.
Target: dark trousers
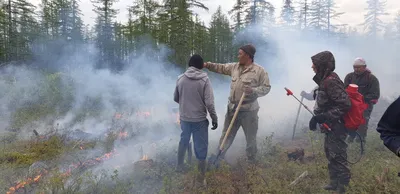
{"points": [[200, 137], [335, 148], [248, 120]]}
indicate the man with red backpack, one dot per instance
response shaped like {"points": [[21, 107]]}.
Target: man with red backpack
{"points": [[368, 86], [333, 103]]}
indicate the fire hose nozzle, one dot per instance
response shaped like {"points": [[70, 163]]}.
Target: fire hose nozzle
{"points": [[289, 93]]}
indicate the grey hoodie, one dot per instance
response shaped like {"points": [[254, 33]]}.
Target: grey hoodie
{"points": [[195, 96]]}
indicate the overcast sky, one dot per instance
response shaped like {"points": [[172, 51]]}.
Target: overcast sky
{"points": [[354, 9]]}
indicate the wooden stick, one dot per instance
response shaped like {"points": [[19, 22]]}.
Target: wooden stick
{"points": [[299, 178], [232, 121]]}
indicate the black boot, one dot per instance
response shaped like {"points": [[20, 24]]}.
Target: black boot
{"points": [[181, 157], [251, 160], [342, 184], [333, 185], [341, 189], [201, 178], [333, 179]]}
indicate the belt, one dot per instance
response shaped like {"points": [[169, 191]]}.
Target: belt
{"points": [[244, 102]]}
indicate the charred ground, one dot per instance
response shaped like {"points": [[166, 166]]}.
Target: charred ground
{"points": [[134, 151], [79, 162]]}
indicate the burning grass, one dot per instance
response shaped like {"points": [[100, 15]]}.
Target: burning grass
{"points": [[276, 170]]}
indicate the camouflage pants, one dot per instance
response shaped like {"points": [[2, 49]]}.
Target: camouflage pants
{"points": [[336, 152], [248, 120], [362, 130]]}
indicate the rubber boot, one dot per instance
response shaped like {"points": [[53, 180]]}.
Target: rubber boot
{"points": [[251, 159], [201, 178], [333, 185], [341, 189], [342, 184], [181, 158]]}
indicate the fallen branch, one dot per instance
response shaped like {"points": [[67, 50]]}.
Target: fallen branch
{"points": [[302, 176]]}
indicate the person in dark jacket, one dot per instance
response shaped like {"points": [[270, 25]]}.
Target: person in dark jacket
{"points": [[389, 127], [195, 96], [368, 86], [332, 104]]}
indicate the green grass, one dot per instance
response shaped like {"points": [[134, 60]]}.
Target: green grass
{"points": [[376, 173], [23, 154]]}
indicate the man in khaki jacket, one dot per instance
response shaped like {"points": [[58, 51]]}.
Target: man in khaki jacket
{"points": [[252, 79]]}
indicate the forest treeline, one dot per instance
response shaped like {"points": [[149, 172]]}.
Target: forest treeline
{"points": [[26, 30]]}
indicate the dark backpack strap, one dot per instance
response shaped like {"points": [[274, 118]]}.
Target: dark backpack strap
{"points": [[315, 93]]}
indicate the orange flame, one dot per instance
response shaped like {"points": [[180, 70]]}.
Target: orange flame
{"points": [[145, 157], [145, 114], [123, 135], [89, 162], [23, 183], [36, 179], [118, 116]]}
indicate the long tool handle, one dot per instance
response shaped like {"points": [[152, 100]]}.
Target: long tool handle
{"points": [[232, 121], [297, 118], [290, 93]]}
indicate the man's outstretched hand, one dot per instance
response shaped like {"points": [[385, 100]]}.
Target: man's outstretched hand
{"points": [[205, 65], [215, 125]]}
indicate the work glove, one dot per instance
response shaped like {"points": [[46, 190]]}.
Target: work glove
{"points": [[303, 93], [317, 119], [215, 125]]}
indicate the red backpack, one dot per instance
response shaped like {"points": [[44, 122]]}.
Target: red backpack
{"points": [[355, 116]]}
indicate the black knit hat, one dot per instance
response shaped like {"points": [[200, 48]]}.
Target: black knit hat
{"points": [[196, 61], [249, 49]]}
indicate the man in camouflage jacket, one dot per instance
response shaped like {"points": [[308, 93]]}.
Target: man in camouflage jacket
{"points": [[332, 104], [368, 86], [252, 79]]}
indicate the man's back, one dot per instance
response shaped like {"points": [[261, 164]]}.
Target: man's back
{"points": [[194, 95]]}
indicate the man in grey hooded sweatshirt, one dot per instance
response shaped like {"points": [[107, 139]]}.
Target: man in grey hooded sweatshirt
{"points": [[195, 96]]}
